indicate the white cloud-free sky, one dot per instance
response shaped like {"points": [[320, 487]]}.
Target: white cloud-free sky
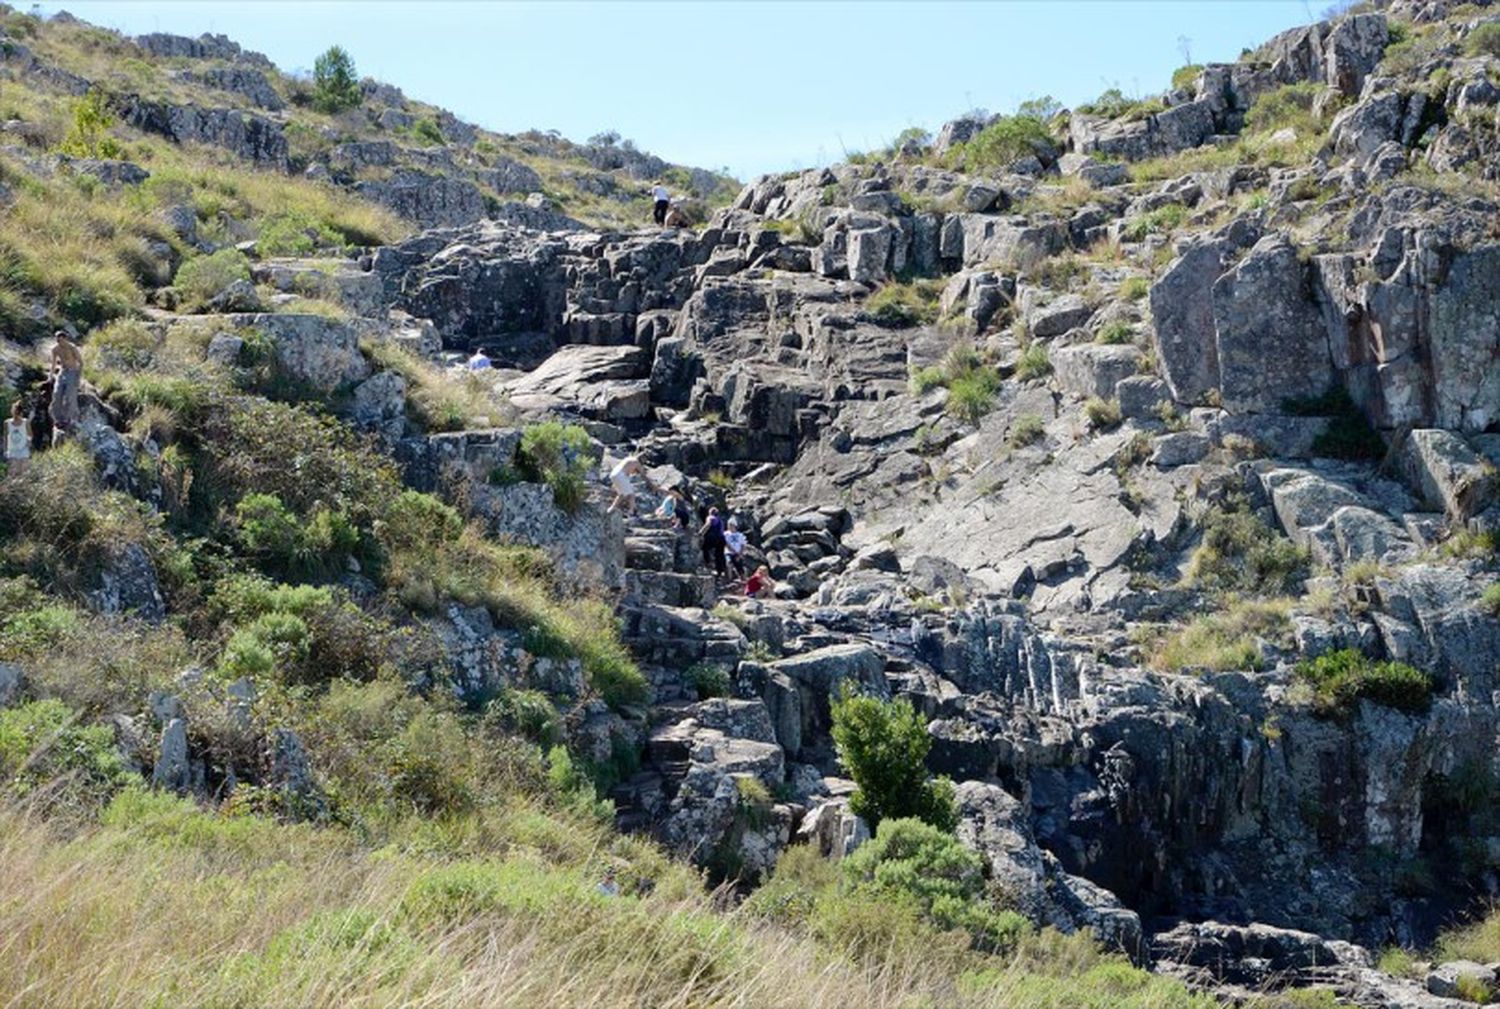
{"points": [[754, 87]]}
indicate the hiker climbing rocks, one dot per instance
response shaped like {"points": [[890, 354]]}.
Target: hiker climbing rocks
{"points": [[735, 543], [712, 539], [17, 440], [620, 479], [760, 585], [661, 200], [67, 372]]}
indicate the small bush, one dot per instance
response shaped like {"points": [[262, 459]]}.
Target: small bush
{"points": [[426, 129], [1184, 77], [1033, 363], [909, 861], [320, 543], [558, 455], [1115, 333], [1240, 553], [1008, 139], [335, 82], [1288, 106], [87, 136], [1484, 40], [1134, 288], [928, 378], [1102, 414], [899, 305], [972, 395], [1489, 600], [44, 747], [200, 279], [1026, 430], [708, 679], [1340, 678], [1162, 220], [883, 745], [1225, 641], [529, 714]]}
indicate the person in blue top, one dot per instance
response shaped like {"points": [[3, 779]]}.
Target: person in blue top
{"points": [[712, 540], [480, 361]]}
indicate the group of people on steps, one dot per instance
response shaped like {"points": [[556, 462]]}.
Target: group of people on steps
{"points": [[722, 542], [58, 402]]}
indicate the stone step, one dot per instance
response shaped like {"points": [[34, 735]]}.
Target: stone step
{"points": [[670, 588]]}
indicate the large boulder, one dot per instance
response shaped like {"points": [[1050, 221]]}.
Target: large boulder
{"points": [[1182, 308], [1270, 339], [605, 382], [430, 200], [248, 136], [1448, 473]]}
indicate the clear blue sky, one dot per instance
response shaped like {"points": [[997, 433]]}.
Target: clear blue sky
{"points": [[756, 87]]}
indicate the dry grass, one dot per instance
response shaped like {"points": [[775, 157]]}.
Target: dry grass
{"points": [[441, 400], [166, 905]]}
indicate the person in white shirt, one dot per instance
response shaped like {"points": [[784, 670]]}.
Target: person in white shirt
{"points": [[734, 543], [620, 480], [662, 199], [17, 440], [479, 361]]}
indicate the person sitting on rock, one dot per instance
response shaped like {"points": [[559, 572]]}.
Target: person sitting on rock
{"points": [[712, 541], [734, 544], [620, 479], [480, 361], [661, 200], [609, 886], [67, 372], [760, 585], [676, 217], [17, 440]]}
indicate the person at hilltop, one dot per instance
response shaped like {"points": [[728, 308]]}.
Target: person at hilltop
{"points": [[17, 439], [734, 544], [67, 372], [480, 361], [621, 479], [711, 538], [661, 200]]}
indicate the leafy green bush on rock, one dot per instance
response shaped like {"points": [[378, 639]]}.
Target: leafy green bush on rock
{"points": [[560, 456], [1339, 680], [884, 745]]}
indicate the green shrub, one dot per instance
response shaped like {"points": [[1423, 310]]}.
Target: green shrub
{"points": [[1340, 678], [87, 135], [1184, 77], [1008, 139], [1484, 40], [290, 233], [1288, 106], [43, 746], [1135, 288], [899, 305], [318, 544], [1033, 363], [1026, 430], [1102, 414], [558, 455], [883, 745], [1115, 333], [426, 129], [1220, 642], [1489, 600], [708, 679], [1162, 220], [529, 714], [201, 278], [335, 82], [417, 521], [1240, 553], [909, 861], [972, 395], [274, 644], [1113, 104]]}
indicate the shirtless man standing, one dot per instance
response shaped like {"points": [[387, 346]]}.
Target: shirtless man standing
{"points": [[67, 372]]}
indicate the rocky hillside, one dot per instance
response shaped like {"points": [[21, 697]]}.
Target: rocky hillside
{"points": [[1130, 467]]}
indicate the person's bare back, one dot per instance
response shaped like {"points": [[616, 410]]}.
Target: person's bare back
{"points": [[65, 354]]}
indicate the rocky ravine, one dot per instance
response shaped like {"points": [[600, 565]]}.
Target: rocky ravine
{"points": [[1002, 571]]}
